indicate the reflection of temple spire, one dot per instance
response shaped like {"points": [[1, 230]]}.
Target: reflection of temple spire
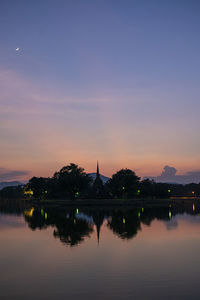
{"points": [[98, 219], [98, 227]]}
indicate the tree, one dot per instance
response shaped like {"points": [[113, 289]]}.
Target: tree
{"points": [[162, 190], [123, 184], [72, 181], [37, 187], [12, 192], [147, 187]]}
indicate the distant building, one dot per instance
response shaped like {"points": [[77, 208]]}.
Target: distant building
{"points": [[98, 187]]}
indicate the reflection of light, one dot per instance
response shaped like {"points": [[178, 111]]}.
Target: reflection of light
{"points": [[77, 211], [170, 214], [193, 207], [74, 221], [42, 212], [45, 216], [139, 214], [142, 209], [124, 221], [29, 213]]}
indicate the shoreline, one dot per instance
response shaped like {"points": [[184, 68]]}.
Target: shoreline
{"points": [[109, 203], [118, 203]]}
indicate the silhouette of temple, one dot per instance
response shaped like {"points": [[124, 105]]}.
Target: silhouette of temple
{"points": [[98, 188]]}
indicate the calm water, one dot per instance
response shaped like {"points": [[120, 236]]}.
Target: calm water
{"points": [[80, 253]]}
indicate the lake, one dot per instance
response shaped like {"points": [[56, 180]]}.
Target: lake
{"points": [[99, 253]]}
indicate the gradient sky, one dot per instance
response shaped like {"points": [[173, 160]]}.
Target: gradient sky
{"points": [[116, 81]]}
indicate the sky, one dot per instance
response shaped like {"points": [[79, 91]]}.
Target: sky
{"points": [[114, 81]]}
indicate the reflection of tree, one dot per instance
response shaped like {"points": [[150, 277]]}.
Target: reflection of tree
{"points": [[68, 228], [150, 214], [37, 219], [72, 231], [125, 223], [72, 225]]}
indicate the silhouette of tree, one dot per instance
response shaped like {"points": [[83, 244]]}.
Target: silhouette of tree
{"points": [[38, 187], [12, 192], [162, 190], [147, 188], [123, 184], [72, 181]]}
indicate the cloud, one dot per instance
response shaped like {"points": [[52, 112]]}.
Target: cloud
{"points": [[169, 175], [7, 175], [168, 172]]}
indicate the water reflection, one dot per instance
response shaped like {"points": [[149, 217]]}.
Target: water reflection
{"points": [[143, 252], [125, 223], [73, 225]]}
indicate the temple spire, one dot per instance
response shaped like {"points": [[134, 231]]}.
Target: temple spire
{"points": [[97, 174], [98, 188]]}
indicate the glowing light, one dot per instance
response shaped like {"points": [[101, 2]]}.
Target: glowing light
{"points": [[29, 213], [77, 211], [46, 192], [124, 221], [28, 192], [193, 192], [42, 212], [169, 191], [74, 221], [123, 188], [45, 216], [17, 49], [170, 214], [193, 207], [138, 192], [139, 214], [142, 209]]}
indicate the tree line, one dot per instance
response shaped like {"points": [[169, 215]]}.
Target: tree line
{"points": [[72, 182]]}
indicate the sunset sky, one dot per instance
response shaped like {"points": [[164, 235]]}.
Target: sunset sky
{"points": [[115, 81]]}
